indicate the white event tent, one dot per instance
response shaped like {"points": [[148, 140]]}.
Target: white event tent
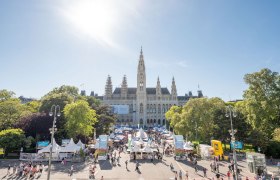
{"points": [[56, 148], [81, 145], [141, 134], [70, 148]]}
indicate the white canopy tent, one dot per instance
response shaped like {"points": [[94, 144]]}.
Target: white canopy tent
{"points": [[141, 141], [56, 148], [82, 145], [188, 147], [147, 149], [141, 134], [70, 148], [135, 149]]}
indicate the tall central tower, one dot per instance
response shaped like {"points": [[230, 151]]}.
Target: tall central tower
{"points": [[141, 92]]}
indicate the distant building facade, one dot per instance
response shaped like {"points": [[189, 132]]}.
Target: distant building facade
{"points": [[25, 100], [146, 105]]}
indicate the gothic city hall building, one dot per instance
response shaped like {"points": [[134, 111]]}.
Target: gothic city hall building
{"points": [[142, 105]]}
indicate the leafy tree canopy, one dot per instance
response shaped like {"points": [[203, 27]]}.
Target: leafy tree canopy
{"points": [[80, 118], [105, 119], [11, 139], [262, 99], [11, 110], [5, 95]]}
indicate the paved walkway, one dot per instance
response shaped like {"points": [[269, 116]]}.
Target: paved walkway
{"points": [[157, 170]]}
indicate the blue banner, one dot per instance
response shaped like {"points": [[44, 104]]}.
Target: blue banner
{"points": [[42, 144], [237, 145]]}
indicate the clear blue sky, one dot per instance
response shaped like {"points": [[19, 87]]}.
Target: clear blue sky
{"points": [[45, 44]]}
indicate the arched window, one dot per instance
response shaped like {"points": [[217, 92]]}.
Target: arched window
{"points": [[141, 121], [159, 121], [141, 86], [155, 121], [163, 122], [141, 108], [159, 108]]}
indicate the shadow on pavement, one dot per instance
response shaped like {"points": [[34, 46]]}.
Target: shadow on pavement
{"points": [[105, 165]]}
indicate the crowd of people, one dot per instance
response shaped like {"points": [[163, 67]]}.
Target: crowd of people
{"points": [[28, 170]]}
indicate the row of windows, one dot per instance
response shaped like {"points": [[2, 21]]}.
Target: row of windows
{"points": [[149, 121], [153, 108]]}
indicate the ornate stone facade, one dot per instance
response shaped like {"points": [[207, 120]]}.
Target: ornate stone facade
{"points": [[147, 105]]}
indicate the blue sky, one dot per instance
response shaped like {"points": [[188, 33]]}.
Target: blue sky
{"points": [[48, 43]]}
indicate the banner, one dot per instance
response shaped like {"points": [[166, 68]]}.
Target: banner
{"points": [[103, 145], [42, 144], [179, 145], [237, 145], [120, 109]]}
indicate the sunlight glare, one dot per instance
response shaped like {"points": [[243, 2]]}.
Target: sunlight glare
{"points": [[94, 18]]}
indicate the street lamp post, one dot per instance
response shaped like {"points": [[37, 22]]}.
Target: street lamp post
{"points": [[229, 113], [55, 112]]}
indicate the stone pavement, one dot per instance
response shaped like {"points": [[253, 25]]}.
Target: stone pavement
{"points": [[156, 170]]}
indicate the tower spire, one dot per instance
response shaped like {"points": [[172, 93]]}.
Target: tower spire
{"points": [[108, 88], [124, 87], [173, 89], [158, 88]]}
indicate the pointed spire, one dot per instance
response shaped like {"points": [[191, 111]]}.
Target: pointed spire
{"points": [[124, 87], [173, 89], [108, 87], [124, 82], [158, 88], [141, 52]]}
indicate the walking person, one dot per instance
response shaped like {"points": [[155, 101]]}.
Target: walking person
{"points": [[217, 168], [171, 167], [8, 171], [118, 160], [195, 169], [180, 175], [136, 166], [187, 175], [126, 162], [71, 170], [228, 175], [204, 172], [14, 169]]}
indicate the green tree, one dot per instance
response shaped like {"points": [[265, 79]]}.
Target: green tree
{"points": [[33, 106], [61, 96], [105, 119], [6, 95], [11, 139], [198, 116], [276, 135], [173, 116], [80, 119], [262, 99], [11, 110]]}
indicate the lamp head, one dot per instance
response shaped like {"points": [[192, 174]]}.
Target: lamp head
{"points": [[234, 114], [58, 114], [51, 113]]}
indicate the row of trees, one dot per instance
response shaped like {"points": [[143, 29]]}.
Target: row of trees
{"points": [[80, 115], [257, 121]]}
